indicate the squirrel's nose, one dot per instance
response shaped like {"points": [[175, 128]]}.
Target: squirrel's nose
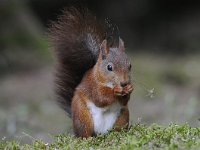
{"points": [[123, 84]]}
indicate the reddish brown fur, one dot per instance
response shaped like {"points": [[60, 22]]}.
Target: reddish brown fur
{"points": [[82, 119], [93, 89], [123, 120], [81, 48]]}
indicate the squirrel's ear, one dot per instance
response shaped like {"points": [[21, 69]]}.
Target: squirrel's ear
{"points": [[121, 45], [104, 49]]}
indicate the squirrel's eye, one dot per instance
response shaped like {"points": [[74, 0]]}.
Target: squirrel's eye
{"points": [[109, 67], [129, 67]]}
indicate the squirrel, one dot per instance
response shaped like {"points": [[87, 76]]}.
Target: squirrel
{"points": [[93, 73]]}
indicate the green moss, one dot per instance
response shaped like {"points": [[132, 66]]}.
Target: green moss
{"points": [[137, 137]]}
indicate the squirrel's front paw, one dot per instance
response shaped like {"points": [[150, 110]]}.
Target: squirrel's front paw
{"points": [[128, 89], [118, 91]]}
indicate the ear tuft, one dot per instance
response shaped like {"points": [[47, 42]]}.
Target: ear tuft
{"points": [[104, 49], [112, 34], [121, 45]]}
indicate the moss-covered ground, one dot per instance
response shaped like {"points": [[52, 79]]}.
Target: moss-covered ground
{"points": [[137, 137]]}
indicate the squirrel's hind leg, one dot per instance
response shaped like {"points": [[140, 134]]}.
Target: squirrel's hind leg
{"points": [[122, 121], [82, 119]]}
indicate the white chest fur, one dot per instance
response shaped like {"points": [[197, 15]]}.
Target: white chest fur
{"points": [[104, 118]]}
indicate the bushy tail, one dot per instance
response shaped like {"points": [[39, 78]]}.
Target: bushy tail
{"points": [[76, 38]]}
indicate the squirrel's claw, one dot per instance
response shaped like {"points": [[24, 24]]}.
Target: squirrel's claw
{"points": [[128, 89], [118, 91]]}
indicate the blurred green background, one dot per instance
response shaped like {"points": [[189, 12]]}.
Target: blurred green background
{"points": [[162, 40]]}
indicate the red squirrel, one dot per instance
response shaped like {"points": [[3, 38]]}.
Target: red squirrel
{"points": [[93, 73]]}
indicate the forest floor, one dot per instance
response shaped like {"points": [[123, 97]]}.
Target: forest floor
{"points": [[137, 137]]}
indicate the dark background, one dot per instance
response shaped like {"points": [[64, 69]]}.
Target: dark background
{"points": [[162, 39], [171, 26]]}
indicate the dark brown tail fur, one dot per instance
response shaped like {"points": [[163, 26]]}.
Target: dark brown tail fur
{"points": [[76, 38]]}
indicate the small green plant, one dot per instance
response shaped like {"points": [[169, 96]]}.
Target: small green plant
{"points": [[137, 137]]}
